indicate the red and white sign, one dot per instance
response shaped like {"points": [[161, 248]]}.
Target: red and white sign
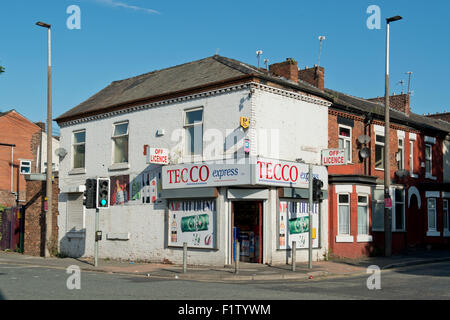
{"points": [[333, 157], [158, 156], [286, 173], [388, 203]]}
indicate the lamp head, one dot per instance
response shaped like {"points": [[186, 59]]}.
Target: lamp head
{"points": [[43, 24], [392, 19]]}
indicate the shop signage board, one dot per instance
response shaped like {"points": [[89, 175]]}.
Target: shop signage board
{"points": [[287, 174], [333, 157], [158, 156], [294, 224], [205, 175], [193, 222]]}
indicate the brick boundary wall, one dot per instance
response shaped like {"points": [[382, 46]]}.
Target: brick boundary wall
{"points": [[34, 237]]}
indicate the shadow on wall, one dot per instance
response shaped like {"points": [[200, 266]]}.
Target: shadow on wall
{"points": [[2, 297], [73, 244]]}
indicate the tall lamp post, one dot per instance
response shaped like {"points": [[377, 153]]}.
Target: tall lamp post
{"points": [[387, 178], [49, 215]]}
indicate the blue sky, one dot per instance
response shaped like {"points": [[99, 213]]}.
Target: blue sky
{"points": [[124, 38]]}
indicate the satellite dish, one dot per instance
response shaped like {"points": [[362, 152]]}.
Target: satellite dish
{"points": [[364, 153], [61, 152], [363, 139]]}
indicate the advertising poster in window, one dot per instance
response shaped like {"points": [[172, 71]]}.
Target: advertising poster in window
{"points": [[146, 187], [294, 224], [119, 190], [193, 222]]}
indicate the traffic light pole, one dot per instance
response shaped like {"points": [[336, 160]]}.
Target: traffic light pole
{"points": [[96, 239], [310, 216]]}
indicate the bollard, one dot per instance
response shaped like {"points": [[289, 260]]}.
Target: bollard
{"points": [[294, 251], [184, 257], [236, 260]]}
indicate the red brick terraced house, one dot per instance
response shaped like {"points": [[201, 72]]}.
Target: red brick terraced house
{"points": [[419, 147], [420, 196]]}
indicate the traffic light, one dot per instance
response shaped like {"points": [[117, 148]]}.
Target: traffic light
{"points": [[317, 192], [90, 193], [103, 193]]}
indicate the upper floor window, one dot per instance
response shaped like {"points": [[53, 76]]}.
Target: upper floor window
{"points": [[193, 124], [79, 149], [120, 138], [411, 157], [379, 151], [401, 154], [25, 166], [428, 159], [345, 142]]}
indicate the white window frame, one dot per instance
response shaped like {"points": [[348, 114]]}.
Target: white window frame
{"points": [[445, 218], [384, 150], [394, 209], [401, 152], [113, 137], [192, 156], [429, 174], [23, 165], [343, 237], [78, 144], [412, 139], [345, 138], [432, 232], [364, 237]]}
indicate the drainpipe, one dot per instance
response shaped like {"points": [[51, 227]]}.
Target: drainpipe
{"points": [[12, 159]]}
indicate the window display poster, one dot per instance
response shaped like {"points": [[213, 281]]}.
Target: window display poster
{"points": [[146, 187], [193, 222], [119, 190], [294, 224]]}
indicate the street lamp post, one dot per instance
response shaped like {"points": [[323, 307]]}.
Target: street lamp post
{"points": [[48, 215], [387, 183]]}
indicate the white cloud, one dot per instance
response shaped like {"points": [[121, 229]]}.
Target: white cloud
{"points": [[114, 3]]}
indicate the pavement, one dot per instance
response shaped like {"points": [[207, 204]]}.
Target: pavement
{"points": [[247, 271]]}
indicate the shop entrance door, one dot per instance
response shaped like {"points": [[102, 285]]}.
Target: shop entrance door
{"points": [[246, 218]]}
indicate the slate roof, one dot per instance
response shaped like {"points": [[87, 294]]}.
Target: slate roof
{"points": [[216, 69], [175, 79]]}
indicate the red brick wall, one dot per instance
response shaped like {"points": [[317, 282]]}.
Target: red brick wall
{"points": [[314, 76], [34, 238], [398, 102], [15, 129]]}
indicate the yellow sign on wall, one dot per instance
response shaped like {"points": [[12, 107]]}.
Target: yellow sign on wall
{"points": [[245, 122]]}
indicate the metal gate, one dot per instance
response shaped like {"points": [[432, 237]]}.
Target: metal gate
{"points": [[10, 228]]}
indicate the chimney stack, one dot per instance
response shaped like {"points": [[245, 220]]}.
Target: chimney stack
{"points": [[41, 125], [314, 76], [287, 69], [399, 102]]}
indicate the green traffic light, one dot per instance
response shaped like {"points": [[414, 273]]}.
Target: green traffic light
{"points": [[103, 202]]}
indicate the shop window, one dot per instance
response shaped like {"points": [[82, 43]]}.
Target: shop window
{"points": [[193, 125], [344, 214], [379, 151], [120, 138], [363, 215], [345, 142], [79, 149]]}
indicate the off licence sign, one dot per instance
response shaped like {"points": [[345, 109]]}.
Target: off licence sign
{"points": [[333, 157], [159, 156]]}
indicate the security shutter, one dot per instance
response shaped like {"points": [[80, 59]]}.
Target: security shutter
{"points": [[75, 212]]}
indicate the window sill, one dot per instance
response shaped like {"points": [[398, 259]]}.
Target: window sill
{"points": [[433, 234], [344, 238], [119, 166], [377, 169], [428, 176], [415, 176], [77, 171], [446, 233], [363, 238]]}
